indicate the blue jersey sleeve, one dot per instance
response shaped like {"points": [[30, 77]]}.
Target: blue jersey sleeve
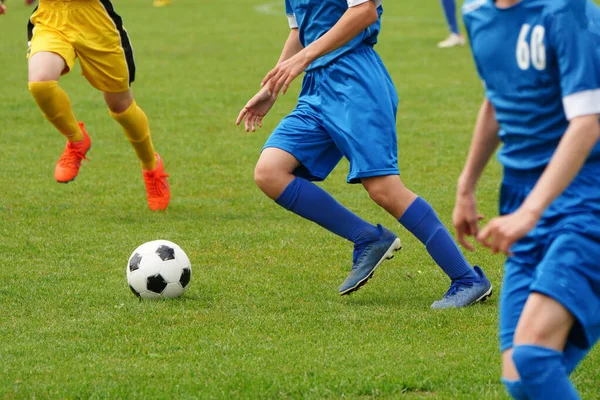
{"points": [[467, 23], [578, 56], [291, 15]]}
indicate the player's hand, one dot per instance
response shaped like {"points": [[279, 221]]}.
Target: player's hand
{"points": [[255, 110], [280, 77], [2, 8], [502, 232], [466, 219]]}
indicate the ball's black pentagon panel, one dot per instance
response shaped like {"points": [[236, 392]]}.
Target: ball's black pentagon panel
{"points": [[166, 253], [186, 275], [134, 291], [156, 284], [134, 264]]}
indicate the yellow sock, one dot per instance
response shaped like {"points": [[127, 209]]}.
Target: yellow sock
{"points": [[55, 105], [136, 128]]}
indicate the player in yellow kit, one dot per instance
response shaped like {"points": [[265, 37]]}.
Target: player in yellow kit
{"points": [[61, 31], [28, 3], [162, 3]]}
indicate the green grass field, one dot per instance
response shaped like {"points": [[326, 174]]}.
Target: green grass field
{"points": [[262, 318]]}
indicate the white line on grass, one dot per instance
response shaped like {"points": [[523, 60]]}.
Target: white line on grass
{"points": [[275, 8]]}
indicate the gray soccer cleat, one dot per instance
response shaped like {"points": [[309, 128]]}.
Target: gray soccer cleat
{"points": [[368, 257], [463, 293]]}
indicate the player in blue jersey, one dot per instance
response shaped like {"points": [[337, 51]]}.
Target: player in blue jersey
{"points": [[347, 108], [540, 62], [455, 38]]}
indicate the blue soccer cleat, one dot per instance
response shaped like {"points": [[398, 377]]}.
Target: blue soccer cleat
{"points": [[368, 257], [463, 293]]}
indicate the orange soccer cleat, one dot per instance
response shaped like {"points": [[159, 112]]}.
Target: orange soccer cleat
{"points": [[157, 187], [69, 162]]}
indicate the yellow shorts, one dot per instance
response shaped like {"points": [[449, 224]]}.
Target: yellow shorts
{"points": [[89, 30]]}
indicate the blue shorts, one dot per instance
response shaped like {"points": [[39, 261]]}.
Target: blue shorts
{"points": [[560, 258], [346, 109]]}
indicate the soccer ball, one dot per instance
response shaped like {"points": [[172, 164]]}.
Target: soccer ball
{"points": [[158, 269]]}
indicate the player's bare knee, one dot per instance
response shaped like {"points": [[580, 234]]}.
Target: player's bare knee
{"points": [[118, 107], [118, 103], [261, 175], [379, 193], [267, 177]]}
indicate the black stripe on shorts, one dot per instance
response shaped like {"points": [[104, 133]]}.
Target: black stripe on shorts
{"points": [[30, 27], [125, 43]]}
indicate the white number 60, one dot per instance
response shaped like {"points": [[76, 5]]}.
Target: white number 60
{"points": [[534, 52]]}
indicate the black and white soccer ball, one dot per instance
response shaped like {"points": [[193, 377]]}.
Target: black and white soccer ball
{"points": [[158, 269]]}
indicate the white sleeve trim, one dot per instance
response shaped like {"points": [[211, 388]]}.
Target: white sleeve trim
{"points": [[353, 3], [582, 103], [292, 21]]}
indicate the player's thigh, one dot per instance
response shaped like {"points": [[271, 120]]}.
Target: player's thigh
{"points": [[104, 49], [49, 53], [46, 66], [569, 275], [359, 110], [49, 56], [273, 161], [544, 322], [301, 135]]}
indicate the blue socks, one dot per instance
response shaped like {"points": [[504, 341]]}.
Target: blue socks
{"points": [[515, 389], [450, 12], [571, 357], [420, 220], [543, 373], [313, 203]]}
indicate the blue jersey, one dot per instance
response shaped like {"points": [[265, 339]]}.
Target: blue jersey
{"points": [[314, 18], [540, 63]]}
